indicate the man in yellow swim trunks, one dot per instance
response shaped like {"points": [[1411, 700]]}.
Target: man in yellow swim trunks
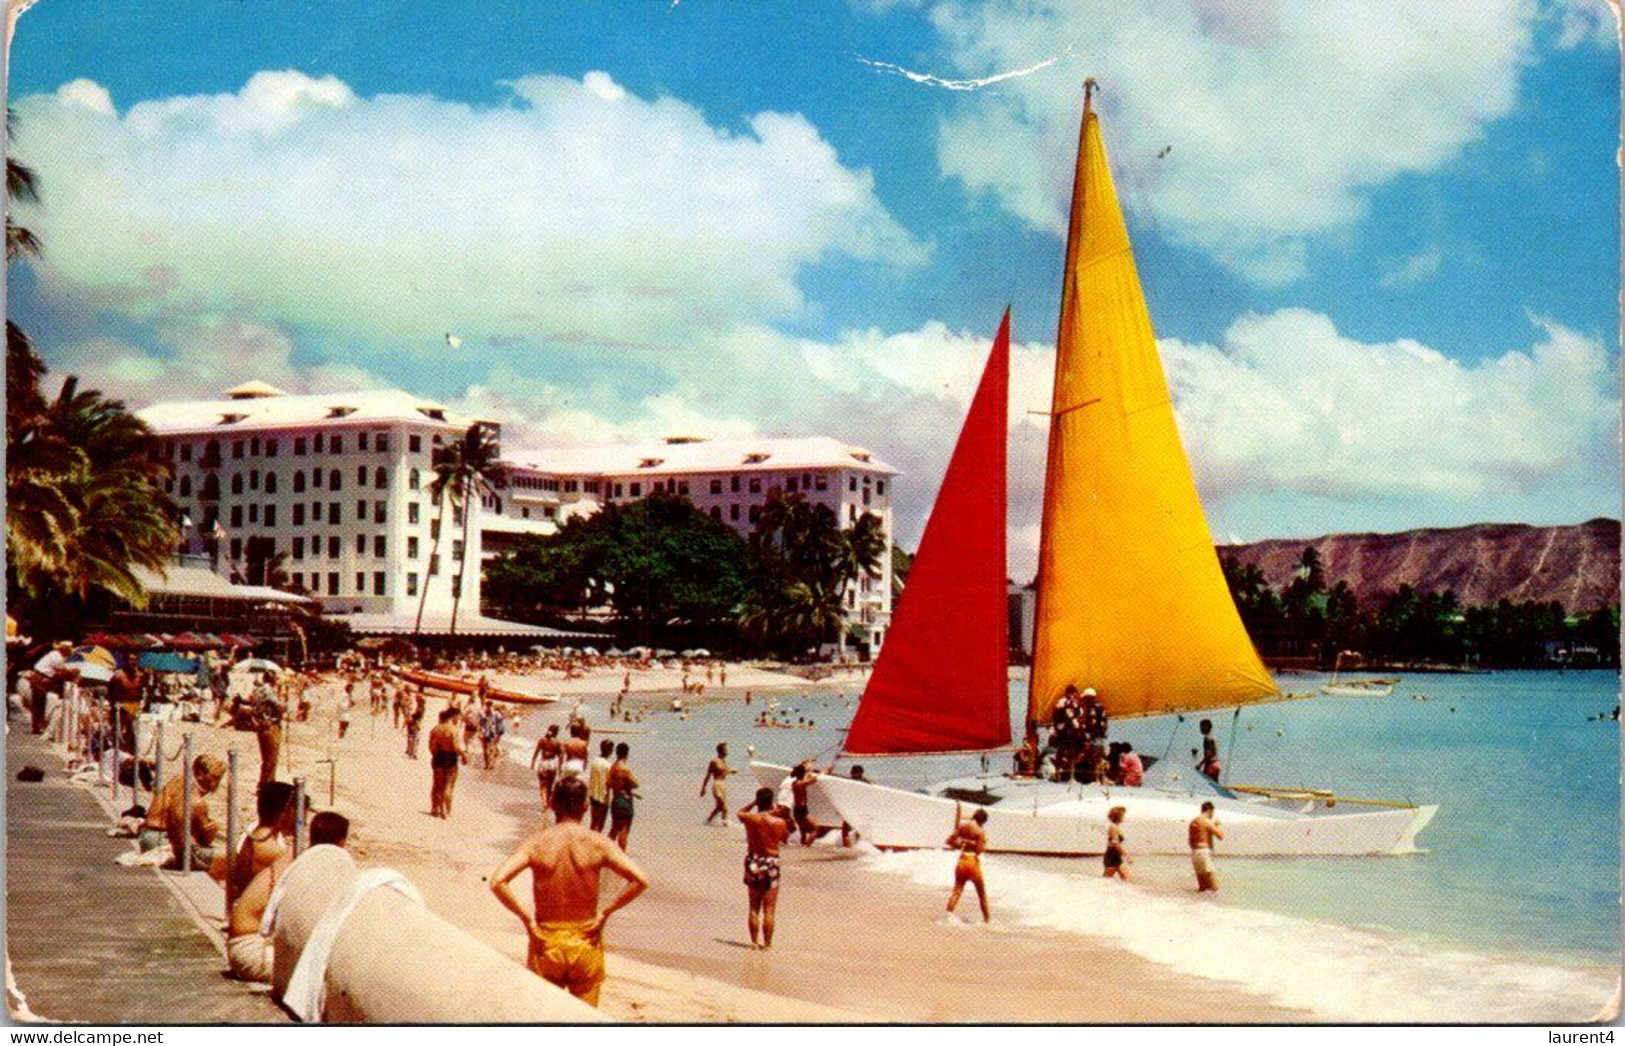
{"points": [[565, 861]]}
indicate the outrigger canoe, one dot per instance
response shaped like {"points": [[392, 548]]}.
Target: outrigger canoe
{"points": [[453, 685]]}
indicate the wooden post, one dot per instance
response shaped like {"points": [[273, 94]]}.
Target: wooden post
{"points": [[299, 807], [186, 804]]}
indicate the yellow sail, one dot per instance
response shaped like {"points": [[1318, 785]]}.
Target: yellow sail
{"points": [[1131, 598]]}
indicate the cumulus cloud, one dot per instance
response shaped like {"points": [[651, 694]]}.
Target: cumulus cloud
{"points": [[1282, 116], [575, 209]]}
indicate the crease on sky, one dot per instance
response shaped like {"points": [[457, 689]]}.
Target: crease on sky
{"points": [[957, 85]]}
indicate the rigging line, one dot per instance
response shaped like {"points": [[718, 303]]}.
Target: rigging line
{"points": [[1230, 749], [1171, 735]]}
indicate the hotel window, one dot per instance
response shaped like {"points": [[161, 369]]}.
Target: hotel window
{"points": [[270, 515], [333, 584], [315, 511], [298, 548], [333, 548], [236, 548], [852, 484], [186, 452], [457, 515], [412, 580], [270, 482], [380, 512], [360, 582], [733, 484], [254, 479], [637, 490], [361, 475], [236, 515], [457, 583], [413, 478], [361, 544], [186, 486], [298, 482], [434, 565], [524, 513], [361, 440], [822, 483], [253, 513], [380, 442], [791, 484], [299, 452], [380, 477], [334, 480], [457, 550], [756, 484], [254, 447], [547, 513], [237, 483], [316, 476], [806, 481], [866, 499], [320, 446], [434, 529], [378, 546], [338, 444], [682, 488], [755, 513], [733, 512], [880, 487], [852, 513], [334, 514], [236, 448], [414, 443], [169, 484], [716, 513], [571, 486], [270, 448], [411, 512], [299, 514], [411, 548], [617, 491], [361, 511]]}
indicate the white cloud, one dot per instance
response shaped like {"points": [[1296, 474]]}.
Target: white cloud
{"points": [[1282, 117], [1418, 267], [1594, 22], [575, 211]]}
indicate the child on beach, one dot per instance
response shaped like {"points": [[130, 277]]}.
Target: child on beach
{"points": [[1116, 857]]}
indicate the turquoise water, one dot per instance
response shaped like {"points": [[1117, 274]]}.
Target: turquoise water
{"points": [[1523, 856]]}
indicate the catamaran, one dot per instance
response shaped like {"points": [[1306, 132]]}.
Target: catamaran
{"points": [[1131, 602], [1337, 686]]}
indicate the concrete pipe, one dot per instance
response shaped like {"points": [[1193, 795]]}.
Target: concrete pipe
{"points": [[397, 962]]}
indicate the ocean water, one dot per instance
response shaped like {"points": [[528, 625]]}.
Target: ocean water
{"points": [[1509, 912]]}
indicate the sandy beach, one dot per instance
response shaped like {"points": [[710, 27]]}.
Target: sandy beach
{"points": [[851, 946]]}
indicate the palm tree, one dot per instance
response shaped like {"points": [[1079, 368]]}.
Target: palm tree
{"points": [[21, 184], [462, 473]]}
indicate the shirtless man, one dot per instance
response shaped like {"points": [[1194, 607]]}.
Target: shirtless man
{"points": [[165, 819], [767, 827], [445, 757], [545, 761], [1203, 830], [716, 775], [801, 779], [266, 842], [249, 954], [970, 839], [565, 860]]}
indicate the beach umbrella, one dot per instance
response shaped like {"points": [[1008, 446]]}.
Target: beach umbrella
{"points": [[698, 651], [256, 664], [590, 651], [155, 661], [91, 671], [94, 654], [665, 653]]}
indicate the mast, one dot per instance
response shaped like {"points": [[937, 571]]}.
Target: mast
{"points": [[1068, 278]]}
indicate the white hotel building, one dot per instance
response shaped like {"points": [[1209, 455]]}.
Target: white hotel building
{"points": [[728, 479], [338, 484]]}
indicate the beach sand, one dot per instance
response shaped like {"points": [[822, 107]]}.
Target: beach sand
{"points": [[851, 945]]}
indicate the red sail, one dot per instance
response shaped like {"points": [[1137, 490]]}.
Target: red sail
{"points": [[941, 682]]}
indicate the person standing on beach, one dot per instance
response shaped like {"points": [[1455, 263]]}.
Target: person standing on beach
{"points": [[566, 860], [598, 783], [1115, 858], [623, 787], [545, 761], [767, 827], [801, 779], [414, 723], [1203, 830], [970, 839], [716, 775], [445, 756]]}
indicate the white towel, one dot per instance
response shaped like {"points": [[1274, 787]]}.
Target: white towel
{"points": [[268, 918], [306, 993]]}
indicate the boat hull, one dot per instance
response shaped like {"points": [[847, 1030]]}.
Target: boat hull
{"points": [[1355, 690], [1042, 817]]}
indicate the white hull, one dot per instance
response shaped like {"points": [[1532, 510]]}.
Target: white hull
{"points": [[1356, 690], [1042, 817]]}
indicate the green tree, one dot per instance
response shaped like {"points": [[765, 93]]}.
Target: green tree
{"points": [[806, 564], [463, 473]]}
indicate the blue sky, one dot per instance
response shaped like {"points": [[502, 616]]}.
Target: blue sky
{"points": [[1381, 246]]}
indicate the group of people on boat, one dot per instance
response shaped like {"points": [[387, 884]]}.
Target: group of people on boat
{"points": [[1077, 749]]}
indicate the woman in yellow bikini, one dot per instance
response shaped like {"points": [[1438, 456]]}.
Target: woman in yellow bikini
{"points": [[970, 839]]}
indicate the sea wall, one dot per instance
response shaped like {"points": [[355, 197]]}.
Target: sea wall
{"points": [[397, 962]]}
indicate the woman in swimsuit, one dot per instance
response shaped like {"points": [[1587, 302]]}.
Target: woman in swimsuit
{"points": [[1116, 857], [970, 839]]}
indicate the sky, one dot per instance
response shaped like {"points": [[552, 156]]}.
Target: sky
{"points": [[1380, 242]]}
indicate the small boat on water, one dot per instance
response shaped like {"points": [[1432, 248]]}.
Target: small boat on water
{"points": [[1340, 687], [1131, 603]]}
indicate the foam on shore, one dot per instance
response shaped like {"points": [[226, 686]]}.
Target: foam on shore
{"points": [[1338, 972]]}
